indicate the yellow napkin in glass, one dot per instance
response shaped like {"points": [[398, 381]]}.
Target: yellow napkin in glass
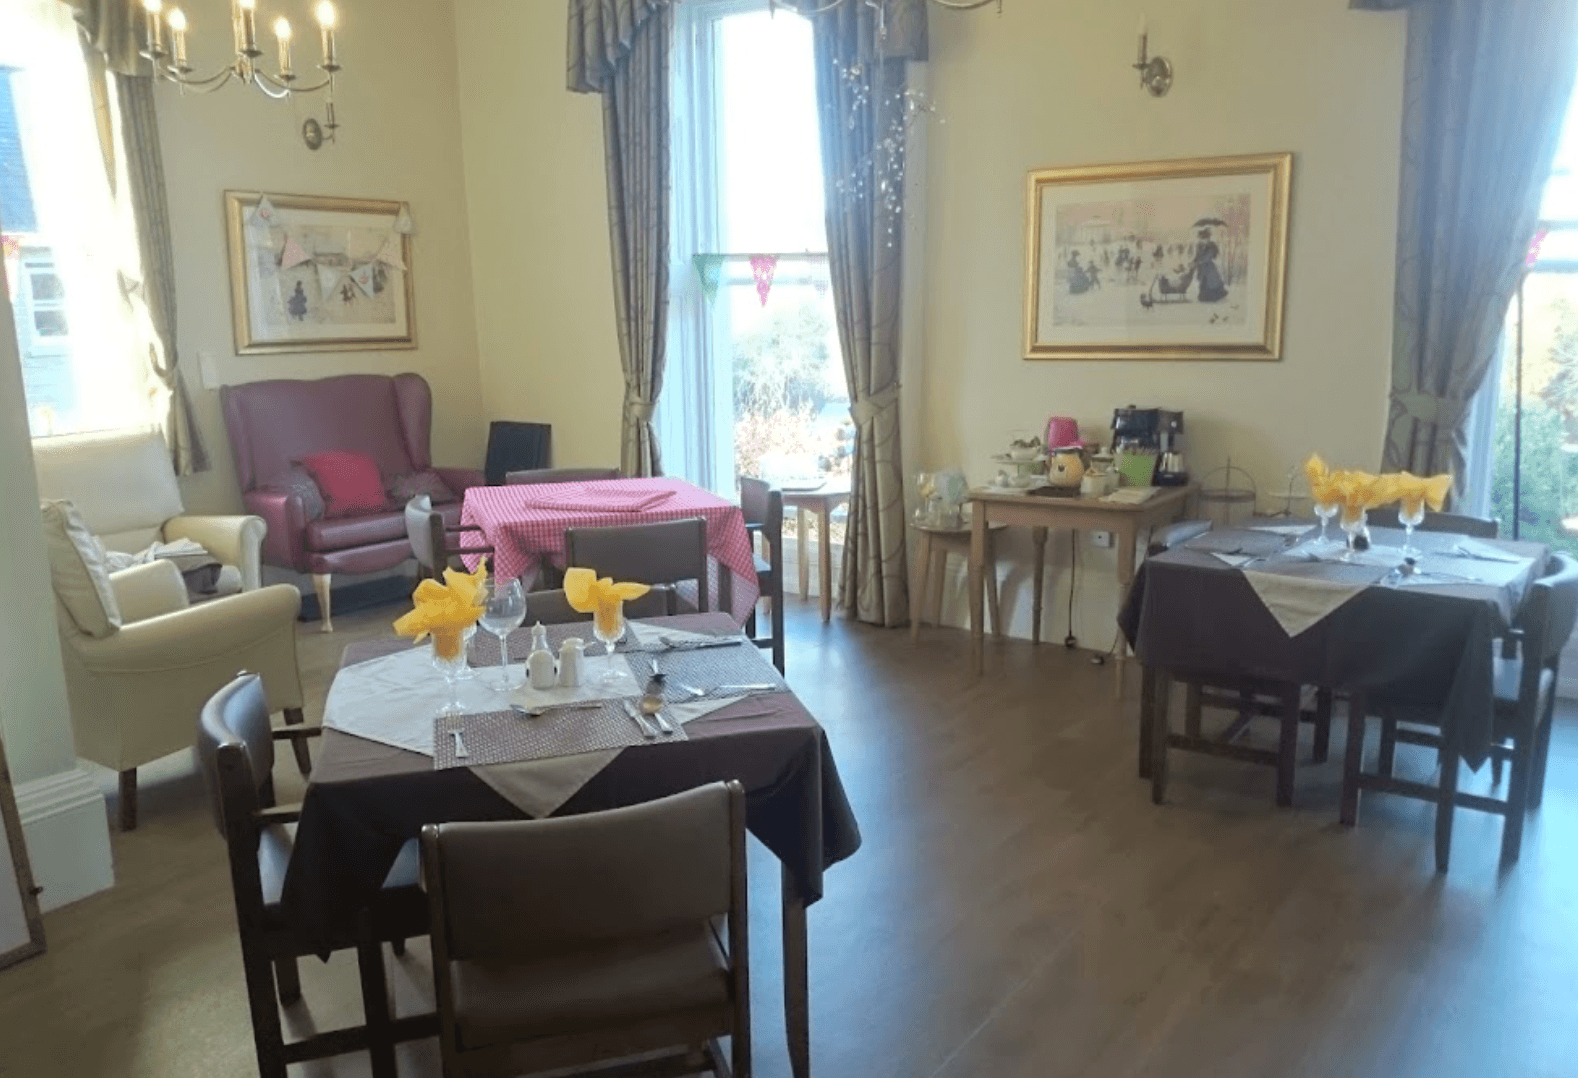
{"points": [[600, 598], [1416, 492], [445, 611], [1322, 488], [1357, 491]]}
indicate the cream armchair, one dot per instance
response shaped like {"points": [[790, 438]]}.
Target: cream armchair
{"points": [[125, 490], [140, 661]]}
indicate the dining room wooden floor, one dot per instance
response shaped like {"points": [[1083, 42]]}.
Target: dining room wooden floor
{"points": [[1019, 907]]}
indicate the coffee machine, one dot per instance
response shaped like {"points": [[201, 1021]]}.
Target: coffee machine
{"points": [[1170, 468]]}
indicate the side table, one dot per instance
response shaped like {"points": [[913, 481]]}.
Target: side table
{"points": [[931, 569], [821, 501]]}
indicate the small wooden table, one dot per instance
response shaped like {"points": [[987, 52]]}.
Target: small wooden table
{"points": [[821, 501], [992, 508]]}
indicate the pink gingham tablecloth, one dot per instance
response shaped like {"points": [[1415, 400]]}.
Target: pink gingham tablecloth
{"points": [[523, 533]]}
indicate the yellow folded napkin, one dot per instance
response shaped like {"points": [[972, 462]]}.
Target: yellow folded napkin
{"points": [[445, 611], [1415, 492], [1357, 491], [600, 598]]}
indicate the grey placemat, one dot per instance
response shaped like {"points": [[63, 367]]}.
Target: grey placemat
{"points": [[708, 669], [507, 737]]}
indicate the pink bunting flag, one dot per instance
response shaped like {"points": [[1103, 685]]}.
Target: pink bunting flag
{"points": [[763, 267], [1534, 247], [294, 254]]}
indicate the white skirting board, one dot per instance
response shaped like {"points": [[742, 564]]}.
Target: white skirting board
{"points": [[68, 837]]}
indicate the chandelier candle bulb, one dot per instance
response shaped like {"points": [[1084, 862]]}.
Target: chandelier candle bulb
{"points": [[282, 35], [326, 20], [151, 9], [177, 19], [247, 27]]}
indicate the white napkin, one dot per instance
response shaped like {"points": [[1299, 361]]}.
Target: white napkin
{"points": [[1298, 602], [1235, 560]]}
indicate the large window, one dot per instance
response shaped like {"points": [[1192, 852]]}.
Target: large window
{"points": [[1534, 394], [754, 385], [64, 241]]}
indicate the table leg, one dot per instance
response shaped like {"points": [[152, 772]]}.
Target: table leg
{"points": [[1147, 704], [824, 554], [937, 572], [1158, 735], [797, 1001], [802, 552], [977, 587], [1353, 761], [1125, 536], [993, 607], [1039, 537], [918, 595]]}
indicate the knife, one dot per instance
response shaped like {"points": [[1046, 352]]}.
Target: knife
{"points": [[641, 724]]}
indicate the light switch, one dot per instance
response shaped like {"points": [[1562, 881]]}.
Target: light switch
{"points": [[208, 370]]}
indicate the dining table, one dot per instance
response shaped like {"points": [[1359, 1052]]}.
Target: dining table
{"points": [[371, 791], [1279, 604], [525, 526]]}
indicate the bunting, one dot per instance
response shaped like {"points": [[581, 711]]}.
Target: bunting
{"points": [[329, 278], [363, 276], [402, 223], [263, 214], [293, 253], [709, 271], [389, 253], [763, 267]]}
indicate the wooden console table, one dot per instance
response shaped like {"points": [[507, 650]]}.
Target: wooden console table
{"points": [[821, 501], [991, 508]]}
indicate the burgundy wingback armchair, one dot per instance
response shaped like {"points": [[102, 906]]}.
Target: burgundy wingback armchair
{"points": [[272, 424]]}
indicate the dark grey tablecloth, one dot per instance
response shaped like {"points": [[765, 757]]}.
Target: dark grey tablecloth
{"points": [[366, 800], [1188, 612]]}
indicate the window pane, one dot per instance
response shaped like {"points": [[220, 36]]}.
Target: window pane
{"points": [[47, 288], [49, 323]]}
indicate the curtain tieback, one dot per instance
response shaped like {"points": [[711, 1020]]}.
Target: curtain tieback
{"points": [[639, 411], [866, 409], [1423, 407]]}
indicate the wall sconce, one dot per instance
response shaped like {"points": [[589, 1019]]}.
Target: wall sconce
{"points": [[1156, 72]]}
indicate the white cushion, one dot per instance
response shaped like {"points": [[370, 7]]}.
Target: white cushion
{"points": [[77, 571], [120, 482]]}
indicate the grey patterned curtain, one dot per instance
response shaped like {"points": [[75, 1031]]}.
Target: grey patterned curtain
{"points": [[1487, 87], [129, 134], [857, 95], [620, 49]]}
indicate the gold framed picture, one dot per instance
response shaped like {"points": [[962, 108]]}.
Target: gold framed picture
{"points": [[312, 273], [1158, 259]]}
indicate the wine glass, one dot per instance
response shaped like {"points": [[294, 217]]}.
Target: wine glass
{"points": [[1410, 518], [1353, 525], [608, 625], [1325, 510], [449, 656], [503, 611]]}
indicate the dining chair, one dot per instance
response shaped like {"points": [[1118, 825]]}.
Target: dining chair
{"points": [[561, 475], [763, 508], [1455, 523], [1525, 678], [429, 538], [235, 751], [1245, 697], [550, 607], [668, 552], [612, 942]]}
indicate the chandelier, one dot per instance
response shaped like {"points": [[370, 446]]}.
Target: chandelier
{"points": [[170, 64], [811, 8]]}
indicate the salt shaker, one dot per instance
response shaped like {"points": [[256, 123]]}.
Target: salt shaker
{"points": [[540, 664], [570, 662]]}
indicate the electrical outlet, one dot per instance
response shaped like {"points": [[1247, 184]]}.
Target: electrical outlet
{"points": [[1101, 539]]}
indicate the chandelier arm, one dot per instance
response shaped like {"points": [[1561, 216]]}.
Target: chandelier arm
{"points": [[268, 86], [289, 87], [968, 5], [205, 85]]}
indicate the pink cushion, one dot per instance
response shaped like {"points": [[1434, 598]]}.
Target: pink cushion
{"points": [[351, 482]]}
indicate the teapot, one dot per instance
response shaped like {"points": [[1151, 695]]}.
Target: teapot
{"points": [[1065, 468]]}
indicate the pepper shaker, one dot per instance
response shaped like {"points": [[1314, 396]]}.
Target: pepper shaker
{"points": [[570, 662], [540, 665]]}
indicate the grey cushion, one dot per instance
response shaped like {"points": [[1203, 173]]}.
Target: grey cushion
{"points": [[402, 488], [299, 481]]}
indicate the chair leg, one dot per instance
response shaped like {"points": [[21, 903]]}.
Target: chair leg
{"points": [[1542, 756], [294, 717], [1288, 745], [287, 975], [128, 799], [1192, 709], [1495, 769], [321, 586], [1158, 737], [267, 1036], [375, 1005], [1322, 725], [1352, 761], [779, 641], [398, 947], [1387, 761], [1446, 810], [1524, 750]]}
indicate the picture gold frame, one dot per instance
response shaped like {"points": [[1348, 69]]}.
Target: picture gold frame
{"points": [[306, 209], [1261, 182]]}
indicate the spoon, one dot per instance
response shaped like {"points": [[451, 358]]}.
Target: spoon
{"points": [[652, 705]]}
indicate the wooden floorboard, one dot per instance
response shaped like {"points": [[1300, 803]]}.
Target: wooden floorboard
{"points": [[1019, 907]]}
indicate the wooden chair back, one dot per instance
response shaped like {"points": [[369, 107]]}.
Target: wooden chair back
{"points": [[561, 475], [424, 527], [669, 552], [1453, 523], [762, 505], [1547, 619], [552, 608]]}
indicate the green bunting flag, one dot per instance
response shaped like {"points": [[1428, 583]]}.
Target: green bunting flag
{"points": [[709, 271]]}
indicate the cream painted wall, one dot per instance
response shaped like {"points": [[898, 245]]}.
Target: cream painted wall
{"points": [[400, 140], [1048, 83], [539, 230]]}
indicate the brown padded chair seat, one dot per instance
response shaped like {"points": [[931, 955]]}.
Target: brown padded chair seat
{"points": [[341, 533], [681, 973]]}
